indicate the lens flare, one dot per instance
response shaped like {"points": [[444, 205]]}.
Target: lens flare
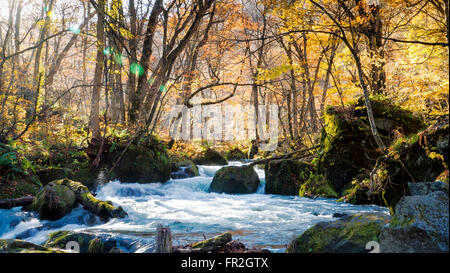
{"points": [[75, 30], [136, 69], [107, 51]]}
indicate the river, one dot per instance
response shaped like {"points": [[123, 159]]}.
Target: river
{"points": [[258, 220]]}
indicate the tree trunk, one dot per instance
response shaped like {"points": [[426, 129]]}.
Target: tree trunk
{"points": [[17, 202], [163, 240], [95, 103]]}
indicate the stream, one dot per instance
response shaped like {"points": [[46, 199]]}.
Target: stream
{"points": [[258, 220]]}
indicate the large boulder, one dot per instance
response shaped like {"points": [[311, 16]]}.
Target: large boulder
{"points": [[210, 157], [54, 201], [348, 234], [417, 157], [424, 188], [347, 144], [235, 179], [318, 186], [143, 165], [420, 225], [58, 198], [285, 176]]}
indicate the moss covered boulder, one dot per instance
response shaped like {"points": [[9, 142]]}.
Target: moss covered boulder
{"points": [[210, 157], [347, 144], [286, 176], [235, 179], [20, 246], [58, 198], [318, 186], [419, 157], [236, 154], [420, 225], [54, 201], [87, 242], [348, 234], [143, 165]]}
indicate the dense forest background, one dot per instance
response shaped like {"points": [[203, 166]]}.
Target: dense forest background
{"points": [[74, 73]]}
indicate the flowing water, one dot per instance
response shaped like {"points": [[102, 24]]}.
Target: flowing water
{"points": [[185, 205]]}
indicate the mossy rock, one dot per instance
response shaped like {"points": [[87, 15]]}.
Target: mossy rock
{"points": [[236, 154], [357, 193], [88, 243], [104, 209], [420, 225], [235, 179], [58, 198], [95, 246], [183, 168], [348, 234], [317, 186], [286, 176], [20, 246], [143, 166], [54, 201], [347, 143], [210, 157]]}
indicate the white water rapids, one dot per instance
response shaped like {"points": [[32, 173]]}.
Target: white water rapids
{"points": [[185, 205]]}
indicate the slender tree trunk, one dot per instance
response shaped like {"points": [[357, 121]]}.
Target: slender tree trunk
{"points": [[96, 89]]}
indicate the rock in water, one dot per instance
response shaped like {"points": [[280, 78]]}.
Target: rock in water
{"points": [[235, 179], [88, 243], [54, 201], [286, 176], [59, 197], [183, 168], [420, 225], [348, 234]]}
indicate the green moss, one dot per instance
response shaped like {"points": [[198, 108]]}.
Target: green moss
{"points": [[213, 243], [286, 176], [317, 186], [348, 234], [95, 246], [19, 246], [210, 157]]}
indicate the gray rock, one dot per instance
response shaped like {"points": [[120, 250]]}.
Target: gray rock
{"points": [[424, 188], [420, 225]]}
